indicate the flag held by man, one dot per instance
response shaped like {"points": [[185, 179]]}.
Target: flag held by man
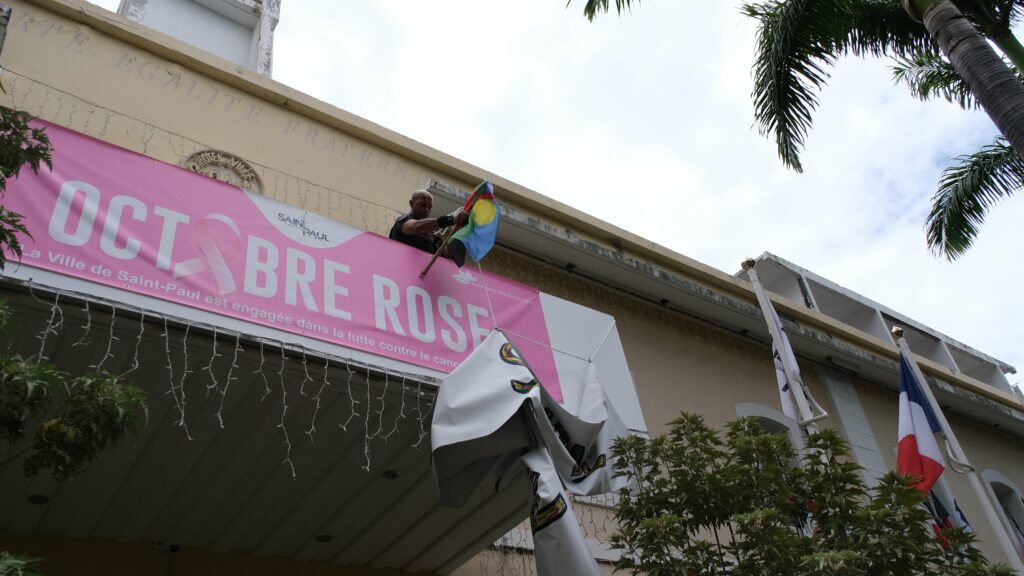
{"points": [[918, 454], [476, 238]]}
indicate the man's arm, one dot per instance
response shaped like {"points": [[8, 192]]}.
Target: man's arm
{"points": [[427, 225]]}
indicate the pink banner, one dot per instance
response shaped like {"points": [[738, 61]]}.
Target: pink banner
{"points": [[114, 217]]}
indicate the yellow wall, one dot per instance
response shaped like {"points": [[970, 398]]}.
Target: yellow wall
{"points": [[72, 75], [677, 363]]}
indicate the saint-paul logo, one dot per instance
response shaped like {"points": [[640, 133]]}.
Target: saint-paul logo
{"points": [[300, 224]]}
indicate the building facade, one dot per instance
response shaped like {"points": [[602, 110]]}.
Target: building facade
{"points": [[267, 452]]}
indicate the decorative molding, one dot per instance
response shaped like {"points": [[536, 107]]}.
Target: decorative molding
{"points": [[225, 167], [754, 410], [849, 415], [134, 10]]}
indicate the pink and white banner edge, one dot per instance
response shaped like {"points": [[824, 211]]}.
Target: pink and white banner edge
{"points": [[113, 217]]}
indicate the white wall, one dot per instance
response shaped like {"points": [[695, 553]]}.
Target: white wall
{"points": [[201, 27]]}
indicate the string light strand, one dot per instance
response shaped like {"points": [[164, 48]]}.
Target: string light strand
{"points": [[110, 342], [284, 412], [138, 344], [88, 325]]}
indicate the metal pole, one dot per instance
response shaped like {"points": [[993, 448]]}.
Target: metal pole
{"points": [[807, 419], [991, 514]]}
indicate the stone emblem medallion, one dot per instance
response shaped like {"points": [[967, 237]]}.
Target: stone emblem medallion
{"points": [[226, 168]]}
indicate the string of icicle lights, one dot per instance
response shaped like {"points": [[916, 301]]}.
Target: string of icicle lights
{"points": [[190, 349]]}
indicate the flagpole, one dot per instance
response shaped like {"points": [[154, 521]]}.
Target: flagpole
{"points": [[444, 242], [470, 202], [991, 514], [807, 418]]}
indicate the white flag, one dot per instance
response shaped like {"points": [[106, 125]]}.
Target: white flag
{"points": [[561, 548], [785, 396], [491, 412], [782, 355]]}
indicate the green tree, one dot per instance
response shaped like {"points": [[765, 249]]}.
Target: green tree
{"points": [[948, 57], [20, 145], [732, 502], [48, 419]]}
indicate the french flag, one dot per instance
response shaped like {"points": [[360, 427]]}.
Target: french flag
{"points": [[918, 455]]}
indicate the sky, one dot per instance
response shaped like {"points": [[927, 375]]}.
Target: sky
{"points": [[646, 121]]}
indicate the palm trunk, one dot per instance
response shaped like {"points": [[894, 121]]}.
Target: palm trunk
{"points": [[998, 90], [997, 30], [1011, 47]]}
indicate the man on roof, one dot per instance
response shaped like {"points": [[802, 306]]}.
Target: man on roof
{"points": [[416, 228]]}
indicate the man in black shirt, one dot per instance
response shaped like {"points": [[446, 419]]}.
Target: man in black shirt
{"points": [[416, 227]]}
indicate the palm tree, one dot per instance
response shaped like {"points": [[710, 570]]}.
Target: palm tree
{"points": [[968, 188], [950, 56]]}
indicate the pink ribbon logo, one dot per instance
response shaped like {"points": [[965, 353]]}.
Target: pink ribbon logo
{"points": [[216, 252]]}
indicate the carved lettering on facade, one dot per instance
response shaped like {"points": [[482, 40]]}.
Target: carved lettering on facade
{"points": [[174, 79], [226, 168], [185, 84], [41, 28]]}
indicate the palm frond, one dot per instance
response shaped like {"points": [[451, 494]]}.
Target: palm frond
{"points": [[883, 28], [798, 40], [592, 7], [928, 76], [795, 44], [966, 191], [1008, 12]]}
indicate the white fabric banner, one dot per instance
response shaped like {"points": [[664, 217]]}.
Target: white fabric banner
{"points": [[782, 355], [557, 538], [490, 411], [785, 397]]}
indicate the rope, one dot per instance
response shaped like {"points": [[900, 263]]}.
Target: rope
{"points": [[548, 346], [487, 293], [494, 317], [603, 340]]}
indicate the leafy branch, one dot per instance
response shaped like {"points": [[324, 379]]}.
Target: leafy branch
{"points": [[20, 145], [61, 423], [733, 502]]}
